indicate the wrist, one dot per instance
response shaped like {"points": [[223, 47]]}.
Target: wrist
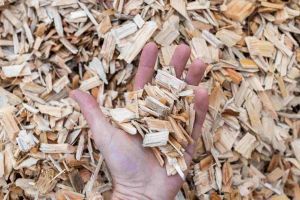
{"points": [[120, 193], [128, 195]]}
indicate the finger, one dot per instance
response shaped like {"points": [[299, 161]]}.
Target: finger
{"points": [[101, 129], [201, 107], [146, 66], [195, 72], [180, 58]]}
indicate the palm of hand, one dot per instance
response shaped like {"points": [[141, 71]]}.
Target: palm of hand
{"points": [[135, 171]]}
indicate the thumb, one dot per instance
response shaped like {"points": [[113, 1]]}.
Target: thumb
{"points": [[101, 129]]}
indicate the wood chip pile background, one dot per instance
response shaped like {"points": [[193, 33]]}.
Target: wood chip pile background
{"points": [[250, 145]]}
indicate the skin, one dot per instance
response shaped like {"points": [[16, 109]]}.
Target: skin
{"points": [[135, 171]]}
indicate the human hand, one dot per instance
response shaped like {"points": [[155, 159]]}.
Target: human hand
{"points": [[135, 171]]}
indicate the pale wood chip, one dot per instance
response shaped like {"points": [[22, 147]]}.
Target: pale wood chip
{"points": [[138, 20], [68, 45], [212, 39], [156, 139], [60, 84], [229, 38], [131, 50], [57, 148], [168, 81], [122, 115], [63, 3], [124, 30], [180, 6], [57, 21], [97, 66], [12, 18], [198, 5], [169, 32], [10, 125], [275, 175], [16, 70], [159, 125], [246, 145], [1, 164], [50, 110], [296, 148], [26, 140], [239, 9], [128, 128], [90, 83], [259, 47], [80, 147]]}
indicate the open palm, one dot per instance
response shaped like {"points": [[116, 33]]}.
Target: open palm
{"points": [[135, 171]]}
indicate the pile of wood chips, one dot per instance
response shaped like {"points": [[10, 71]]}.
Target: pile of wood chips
{"points": [[163, 114], [250, 145]]}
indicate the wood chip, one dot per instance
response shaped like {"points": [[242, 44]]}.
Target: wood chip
{"points": [[90, 83], [10, 125], [57, 21], [1, 164], [125, 30], [138, 20], [228, 37], [12, 18], [259, 48], [296, 148], [97, 66], [156, 139], [212, 39], [122, 115], [60, 84], [57, 148], [168, 81], [246, 145], [239, 10], [26, 141], [275, 175], [130, 51], [16, 70], [180, 6], [169, 32]]}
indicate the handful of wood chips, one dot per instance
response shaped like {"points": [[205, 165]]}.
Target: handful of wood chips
{"points": [[163, 114]]}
